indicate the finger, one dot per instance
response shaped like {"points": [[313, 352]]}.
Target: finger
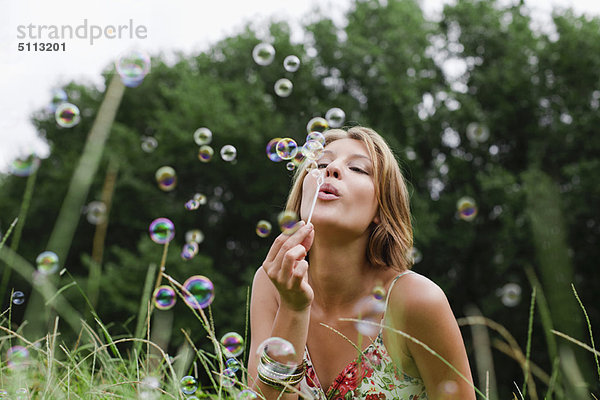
{"points": [[308, 240], [293, 241], [278, 243], [291, 257], [298, 274]]}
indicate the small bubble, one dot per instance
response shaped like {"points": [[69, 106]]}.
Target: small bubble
{"points": [[477, 132], [287, 148], [59, 96], [316, 136], [379, 292], [233, 344], [149, 144], [228, 378], [47, 262], [290, 166], [201, 291], [291, 63], [467, 208], [96, 212], [263, 54], [133, 67], [67, 115], [202, 136], [288, 222], [263, 228], [22, 394], [189, 385], [194, 235], [283, 87], [335, 117], [191, 205], [233, 364], [17, 356], [246, 394], [164, 297], [205, 153], [369, 312], [189, 250], [228, 153], [317, 124], [272, 150], [416, 255], [200, 198], [162, 230], [18, 298], [511, 294], [166, 178], [25, 166]]}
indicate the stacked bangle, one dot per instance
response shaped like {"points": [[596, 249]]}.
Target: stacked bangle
{"points": [[275, 374]]}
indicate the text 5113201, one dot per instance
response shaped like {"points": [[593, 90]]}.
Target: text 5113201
{"points": [[41, 46]]}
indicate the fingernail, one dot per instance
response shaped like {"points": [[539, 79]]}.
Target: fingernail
{"points": [[310, 226]]}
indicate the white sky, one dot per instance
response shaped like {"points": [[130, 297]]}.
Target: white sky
{"points": [[26, 78]]}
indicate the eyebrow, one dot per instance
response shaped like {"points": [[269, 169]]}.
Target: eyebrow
{"points": [[355, 155]]}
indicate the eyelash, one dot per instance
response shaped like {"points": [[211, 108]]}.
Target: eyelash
{"points": [[355, 169]]}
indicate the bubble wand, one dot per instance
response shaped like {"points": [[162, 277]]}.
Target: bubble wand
{"points": [[320, 180]]}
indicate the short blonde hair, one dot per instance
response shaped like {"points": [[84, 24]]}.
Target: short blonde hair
{"points": [[391, 240]]}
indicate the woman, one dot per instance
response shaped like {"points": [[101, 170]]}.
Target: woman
{"points": [[317, 278]]}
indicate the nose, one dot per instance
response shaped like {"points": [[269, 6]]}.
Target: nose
{"points": [[333, 171]]}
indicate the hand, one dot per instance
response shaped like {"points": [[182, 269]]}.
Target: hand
{"points": [[288, 270]]}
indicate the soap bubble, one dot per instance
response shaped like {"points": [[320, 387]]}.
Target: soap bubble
{"points": [[263, 54], [335, 117], [283, 87], [291, 63], [317, 124], [22, 394], [201, 291], [202, 136], [228, 378], [25, 166], [95, 212], [477, 132], [148, 388], [282, 352], [288, 222], [263, 228], [369, 312], [467, 208], [233, 364], [189, 250], [47, 262], [162, 230], [272, 150], [17, 356], [164, 297], [133, 67], [316, 136], [228, 152], [287, 148], [194, 235], [312, 150], [416, 255], [59, 96], [166, 178], [191, 205], [67, 115], [510, 294], [18, 298], [379, 292], [200, 198], [290, 166], [246, 394], [233, 344], [205, 153], [189, 385], [149, 144]]}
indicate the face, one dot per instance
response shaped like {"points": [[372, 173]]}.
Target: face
{"points": [[347, 197]]}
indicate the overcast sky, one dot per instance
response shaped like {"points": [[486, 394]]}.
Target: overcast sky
{"points": [[27, 78]]}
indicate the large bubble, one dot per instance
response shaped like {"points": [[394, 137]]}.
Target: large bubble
{"points": [[263, 54], [281, 351], [335, 117], [47, 262], [291, 63], [233, 344], [164, 297], [317, 124], [283, 87], [316, 136], [67, 115], [286, 148], [201, 291], [369, 312], [188, 384], [133, 67], [166, 178], [162, 230], [272, 150], [202, 136], [17, 356], [313, 150]]}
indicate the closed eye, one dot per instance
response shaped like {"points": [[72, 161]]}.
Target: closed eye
{"points": [[321, 165], [359, 170]]}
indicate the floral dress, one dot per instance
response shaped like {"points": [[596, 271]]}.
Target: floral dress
{"points": [[372, 376]]}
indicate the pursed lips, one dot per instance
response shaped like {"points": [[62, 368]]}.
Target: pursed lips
{"points": [[328, 192]]}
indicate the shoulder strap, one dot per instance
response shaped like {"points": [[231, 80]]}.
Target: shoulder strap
{"points": [[387, 297]]}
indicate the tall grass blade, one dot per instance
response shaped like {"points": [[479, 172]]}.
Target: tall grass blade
{"points": [[589, 325], [528, 346]]}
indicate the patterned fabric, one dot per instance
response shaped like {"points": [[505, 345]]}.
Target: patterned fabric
{"points": [[372, 376]]}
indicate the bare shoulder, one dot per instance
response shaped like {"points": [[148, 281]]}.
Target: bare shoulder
{"points": [[416, 296]]}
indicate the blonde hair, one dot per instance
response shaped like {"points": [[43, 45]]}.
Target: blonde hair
{"points": [[391, 240]]}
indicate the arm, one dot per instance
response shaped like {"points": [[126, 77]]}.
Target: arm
{"points": [[426, 315], [280, 303]]}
